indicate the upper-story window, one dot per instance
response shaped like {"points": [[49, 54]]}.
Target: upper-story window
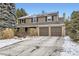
{"points": [[50, 18], [19, 21], [22, 21], [34, 20]]}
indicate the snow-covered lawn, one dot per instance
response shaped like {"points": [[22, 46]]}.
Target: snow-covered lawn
{"points": [[70, 48], [8, 42]]}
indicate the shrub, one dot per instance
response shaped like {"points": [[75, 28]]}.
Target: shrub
{"points": [[21, 32], [7, 33], [32, 31]]}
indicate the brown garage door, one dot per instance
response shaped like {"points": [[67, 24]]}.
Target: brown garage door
{"points": [[56, 31], [43, 31]]}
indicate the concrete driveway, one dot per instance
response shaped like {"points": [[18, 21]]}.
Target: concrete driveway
{"points": [[35, 46]]}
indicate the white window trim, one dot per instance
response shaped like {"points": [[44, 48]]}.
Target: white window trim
{"points": [[34, 20], [49, 17]]}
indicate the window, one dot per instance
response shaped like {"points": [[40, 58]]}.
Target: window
{"points": [[20, 21], [49, 18], [52, 18], [46, 18], [34, 20], [31, 19], [23, 21]]}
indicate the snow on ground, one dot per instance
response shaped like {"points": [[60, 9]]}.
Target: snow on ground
{"points": [[70, 48], [6, 42]]}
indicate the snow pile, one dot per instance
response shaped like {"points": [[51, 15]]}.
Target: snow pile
{"points": [[70, 48]]}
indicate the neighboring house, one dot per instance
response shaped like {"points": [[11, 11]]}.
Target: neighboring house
{"points": [[46, 24]]}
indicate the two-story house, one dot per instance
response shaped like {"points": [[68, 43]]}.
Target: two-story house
{"points": [[46, 24]]}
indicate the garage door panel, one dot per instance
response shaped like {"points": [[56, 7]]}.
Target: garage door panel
{"points": [[44, 31], [56, 31]]}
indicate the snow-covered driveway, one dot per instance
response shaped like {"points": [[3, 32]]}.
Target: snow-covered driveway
{"points": [[39, 46]]}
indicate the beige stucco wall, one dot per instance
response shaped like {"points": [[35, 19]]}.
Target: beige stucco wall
{"points": [[18, 21], [49, 30], [41, 19], [28, 21], [63, 30], [55, 18]]}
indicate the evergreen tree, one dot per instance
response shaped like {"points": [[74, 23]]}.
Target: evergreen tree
{"points": [[74, 25], [20, 12], [7, 15]]}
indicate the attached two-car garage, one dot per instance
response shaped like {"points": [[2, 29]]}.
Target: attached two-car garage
{"points": [[53, 31], [47, 30]]}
